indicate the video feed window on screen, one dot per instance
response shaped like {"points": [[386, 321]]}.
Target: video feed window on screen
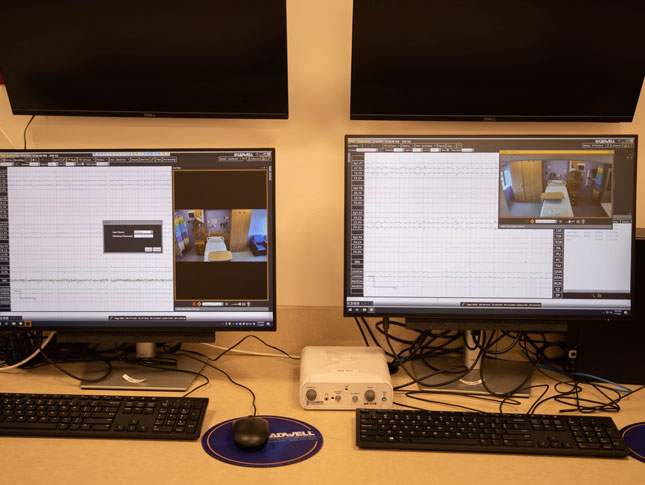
{"points": [[222, 253], [556, 188], [476, 226], [137, 238]]}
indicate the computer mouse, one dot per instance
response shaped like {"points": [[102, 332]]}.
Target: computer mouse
{"points": [[250, 433]]}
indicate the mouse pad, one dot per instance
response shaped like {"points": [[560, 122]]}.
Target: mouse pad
{"points": [[634, 436], [290, 441]]}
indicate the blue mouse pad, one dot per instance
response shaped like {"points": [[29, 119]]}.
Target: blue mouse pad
{"points": [[290, 441], [634, 436]]}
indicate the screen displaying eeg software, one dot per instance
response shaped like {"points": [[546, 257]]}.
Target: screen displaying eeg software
{"points": [[113, 239], [531, 226]]}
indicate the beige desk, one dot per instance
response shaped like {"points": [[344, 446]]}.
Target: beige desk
{"points": [[275, 381]]}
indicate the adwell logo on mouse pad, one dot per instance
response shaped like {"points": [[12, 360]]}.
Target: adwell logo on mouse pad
{"points": [[295, 435], [290, 441]]}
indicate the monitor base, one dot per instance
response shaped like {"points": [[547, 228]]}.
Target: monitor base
{"points": [[131, 376], [501, 376]]}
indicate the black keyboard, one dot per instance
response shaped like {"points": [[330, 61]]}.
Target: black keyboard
{"points": [[84, 416], [490, 433]]}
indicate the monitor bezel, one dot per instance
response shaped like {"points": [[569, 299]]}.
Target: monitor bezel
{"points": [[487, 320], [155, 327]]}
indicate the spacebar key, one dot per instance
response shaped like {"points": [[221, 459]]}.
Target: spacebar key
{"points": [[14, 425], [444, 441]]}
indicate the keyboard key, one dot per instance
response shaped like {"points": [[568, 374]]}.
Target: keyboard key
{"points": [[525, 443], [445, 441]]}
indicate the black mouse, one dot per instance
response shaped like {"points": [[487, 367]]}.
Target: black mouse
{"points": [[250, 433]]}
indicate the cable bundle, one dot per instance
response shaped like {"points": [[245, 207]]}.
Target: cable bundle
{"points": [[575, 391]]}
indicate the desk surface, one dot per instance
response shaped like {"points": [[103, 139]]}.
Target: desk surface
{"points": [[275, 382]]}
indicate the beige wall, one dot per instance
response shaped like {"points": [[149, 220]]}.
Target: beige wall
{"points": [[309, 146]]}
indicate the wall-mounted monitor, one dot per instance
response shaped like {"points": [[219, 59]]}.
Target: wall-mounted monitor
{"points": [[146, 58], [543, 60]]}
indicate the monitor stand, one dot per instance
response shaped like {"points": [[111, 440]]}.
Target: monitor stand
{"points": [[129, 376], [501, 376]]}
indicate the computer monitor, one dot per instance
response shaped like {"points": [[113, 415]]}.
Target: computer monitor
{"points": [[150, 58], [137, 245], [490, 232], [496, 61]]}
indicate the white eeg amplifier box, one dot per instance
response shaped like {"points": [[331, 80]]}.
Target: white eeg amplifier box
{"points": [[337, 378]]}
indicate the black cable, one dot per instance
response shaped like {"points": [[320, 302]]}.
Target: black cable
{"points": [[421, 379], [98, 379], [418, 349], [431, 401], [173, 369], [530, 411], [622, 396], [535, 346], [255, 411], [517, 388], [606, 406], [572, 397], [538, 351], [394, 403], [435, 402], [367, 344], [215, 359], [508, 400], [486, 349], [610, 406], [471, 395], [173, 349], [242, 340], [541, 349], [369, 330], [430, 349], [480, 357], [408, 353], [499, 352], [560, 394], [16, 346], [12, 346], [188, 352], [381, 324], [441, 350], [24, 134]]}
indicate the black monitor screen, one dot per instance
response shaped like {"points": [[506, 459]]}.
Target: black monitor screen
{"points": [[461, 226], [146, 58], [543, 60], [104, 239]]}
